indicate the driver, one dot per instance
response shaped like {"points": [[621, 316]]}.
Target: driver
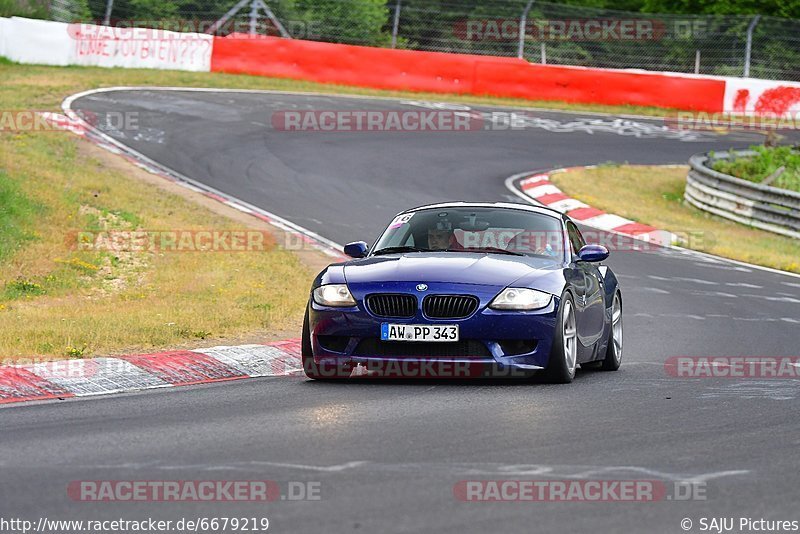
{"points": [[440, 237]]}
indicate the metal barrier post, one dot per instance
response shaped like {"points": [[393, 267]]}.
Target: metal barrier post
{"points": [[749, 45], [396, 23], [523, 22]]}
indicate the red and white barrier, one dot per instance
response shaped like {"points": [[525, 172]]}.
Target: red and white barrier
{"points": [[38, 42], [55, 43], [45, 42], [3, 32], [460, 73], [751, 96]]}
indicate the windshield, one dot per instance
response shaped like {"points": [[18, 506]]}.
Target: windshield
{"points": [[492, 230]]}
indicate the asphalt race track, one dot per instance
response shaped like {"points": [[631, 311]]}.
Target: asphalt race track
{"points": [[388, 454]]}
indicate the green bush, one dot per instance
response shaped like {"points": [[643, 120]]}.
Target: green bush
{"points": [[354, 22], [23, 8], [763, 164]]}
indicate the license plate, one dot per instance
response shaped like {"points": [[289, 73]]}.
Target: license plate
{"points": [[419, 332]]}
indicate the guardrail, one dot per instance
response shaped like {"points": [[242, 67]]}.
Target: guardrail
{"points": [[761, 206]]}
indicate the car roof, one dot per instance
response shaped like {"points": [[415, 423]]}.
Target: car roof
{"points": [[505, 205]]}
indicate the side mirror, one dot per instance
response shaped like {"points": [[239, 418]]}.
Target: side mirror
{"points": [[593, 253], [357, 249]]}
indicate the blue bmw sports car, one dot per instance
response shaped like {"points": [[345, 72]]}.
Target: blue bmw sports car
{"points": [[449, 289]]}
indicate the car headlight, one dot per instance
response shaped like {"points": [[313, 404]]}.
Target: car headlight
{"points": [[514, 298], [336, 295]]}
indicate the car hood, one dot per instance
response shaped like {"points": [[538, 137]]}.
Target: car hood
{"points": [[446, 267]]}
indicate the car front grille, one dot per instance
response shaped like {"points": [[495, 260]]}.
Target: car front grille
{"points": [[466, 348], [388, 305], [449, 306]]}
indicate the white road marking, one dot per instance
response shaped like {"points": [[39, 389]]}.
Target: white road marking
{"points": [[720, 265], [775, 299], [684, 279], [649, 290], [773, 389], [697, 281], [714, 294], [243, 209], [713, 316], [320, 468], [555, 471]]}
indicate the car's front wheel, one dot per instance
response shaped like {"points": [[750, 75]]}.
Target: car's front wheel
{"points": [[564, 354]]}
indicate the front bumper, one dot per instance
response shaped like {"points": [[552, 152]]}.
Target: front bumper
{"points": [[498, 340]]}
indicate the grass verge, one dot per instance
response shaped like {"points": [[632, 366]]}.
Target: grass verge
{"points": [[654, 195], [57, 300], [17, 217]]}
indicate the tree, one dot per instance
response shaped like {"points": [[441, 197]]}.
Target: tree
{"points": [[154, 9], [774, 8], [348, 21], [22, 8]]}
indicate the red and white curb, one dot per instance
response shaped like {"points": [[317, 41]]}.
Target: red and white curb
{"points": [[62, 122], [101, 376], [538, 188]]}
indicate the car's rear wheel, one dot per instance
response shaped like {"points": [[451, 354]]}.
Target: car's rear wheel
{"points": [[564, 354], [312, 369], [613, 357]]}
